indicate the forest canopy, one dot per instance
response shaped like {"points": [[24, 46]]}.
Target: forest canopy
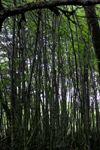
{"points": [[6, 10], [49, 75]]}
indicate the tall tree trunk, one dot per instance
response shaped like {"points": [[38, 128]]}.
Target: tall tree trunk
{"points": [[95, 34], [94, 30], [12, 87], [46, 122]]}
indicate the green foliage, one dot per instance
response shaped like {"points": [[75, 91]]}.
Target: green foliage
{"points": [[64, 68]]}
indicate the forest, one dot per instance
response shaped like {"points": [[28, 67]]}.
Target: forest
{"points": [[49, 74]]}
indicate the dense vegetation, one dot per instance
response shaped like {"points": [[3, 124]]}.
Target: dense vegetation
{"points": [[49, 79]]}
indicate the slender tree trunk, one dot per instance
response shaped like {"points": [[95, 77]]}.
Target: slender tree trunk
{"points": [[12, 87], [52, 109], [45, 61]]}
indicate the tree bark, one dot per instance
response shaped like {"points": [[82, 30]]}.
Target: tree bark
{"points": [[93, 25]]}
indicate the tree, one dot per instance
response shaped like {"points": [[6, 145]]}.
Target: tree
{"points": [[94, 28]]}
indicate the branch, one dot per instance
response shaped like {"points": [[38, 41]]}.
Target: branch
{"points": [[7, 12], [1, 7]]}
